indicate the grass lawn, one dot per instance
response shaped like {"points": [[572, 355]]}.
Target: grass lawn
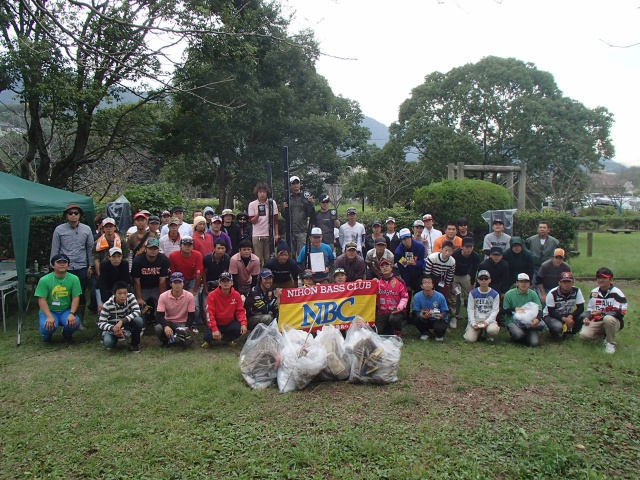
{"points": [[563, 410], [619, 252]]}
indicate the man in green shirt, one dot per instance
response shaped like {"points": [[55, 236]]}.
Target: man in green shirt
{"points": [[58, 298], [514, 300]]}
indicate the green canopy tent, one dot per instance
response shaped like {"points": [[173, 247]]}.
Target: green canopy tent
{"points": [[20, 200]]}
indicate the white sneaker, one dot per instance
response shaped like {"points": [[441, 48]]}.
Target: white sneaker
{"points": [[424, 337], [453, 323], [610, 348], [439, 339]]}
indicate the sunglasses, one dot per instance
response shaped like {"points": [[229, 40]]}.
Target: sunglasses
{"points": [[483, 278], [75, 212], [559, 256], [325, 201]]}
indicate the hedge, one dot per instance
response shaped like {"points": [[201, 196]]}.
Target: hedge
{"points": [[563, 226], [40, 234]]}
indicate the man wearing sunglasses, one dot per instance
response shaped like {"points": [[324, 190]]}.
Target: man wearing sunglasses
{"points": [[75, 240]]}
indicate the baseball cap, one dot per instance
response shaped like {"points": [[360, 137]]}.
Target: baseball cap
{"points": [[216, 218], [113, 250], [495, 250], [226, 276], [154, 219], [376, 221], [266, 273], [351, 246], [380, 241], [566, 276], [324, 198], [351, 210], [176, 277], [177, 208], [294, 178], [153, 243], [166, 213], [467, 241], [339, 270], [174, 221], [108, 220], [390, 219], [497, 220], [558, 252], [140, 214], [427, 216], [418, 223], [316, 232], [385, 261], [307, 275], [186, 239], [60, 257], [404, 233], [483, 273], [523, 276]]}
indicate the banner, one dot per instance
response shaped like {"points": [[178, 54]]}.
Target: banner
{"points": [[311, 308]]}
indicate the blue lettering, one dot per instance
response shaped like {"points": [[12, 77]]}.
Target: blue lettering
{"points": [[326, 312]]}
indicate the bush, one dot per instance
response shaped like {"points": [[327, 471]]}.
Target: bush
{"points": [[155, 198], [563, 226], [404, 218], [452, 199], [40, 234]]}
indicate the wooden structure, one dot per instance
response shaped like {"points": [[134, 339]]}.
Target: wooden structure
{"points": [[456, 171]]}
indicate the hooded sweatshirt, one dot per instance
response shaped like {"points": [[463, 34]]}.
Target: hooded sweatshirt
{"points": [[518, 262]]}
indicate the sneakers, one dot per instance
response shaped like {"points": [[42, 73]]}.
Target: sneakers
{"points": [[424, 337], [195, 330], [609, 347], [135, 348], [439, 339], [205, 345], [453, 323], [231, 344]]}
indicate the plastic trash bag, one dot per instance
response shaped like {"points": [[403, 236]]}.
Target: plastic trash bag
{"points": [[338, 364], [303, 358], [260, 356], [526, 315], [374, 359]]}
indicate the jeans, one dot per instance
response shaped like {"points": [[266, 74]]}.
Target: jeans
{"points": [[528, 336], [389, 323], [423, 325], [229, 332], [60, 319], [109, 339], [81, 273]]}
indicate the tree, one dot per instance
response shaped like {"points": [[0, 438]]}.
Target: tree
{"points": [[272, 97], [502, 111]]}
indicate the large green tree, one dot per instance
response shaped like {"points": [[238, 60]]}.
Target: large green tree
{"points": [[502, 111], [250, 95], [66, 58]]}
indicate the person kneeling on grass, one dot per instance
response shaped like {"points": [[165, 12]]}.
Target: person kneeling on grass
{"points": [[226, 317], [261, 305], [392, 300], [58, 295], [175, 313], [563, 312], [514, 300], [482, 310], [430, 310], [605, 311], [120, 314]]}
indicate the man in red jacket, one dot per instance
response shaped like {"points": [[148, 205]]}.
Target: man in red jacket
{"points": [[226, 317]]}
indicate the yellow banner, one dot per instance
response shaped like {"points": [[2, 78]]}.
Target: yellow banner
{"points": [[311, 308]]}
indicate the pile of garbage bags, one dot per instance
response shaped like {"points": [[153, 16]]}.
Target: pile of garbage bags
{"points": [[295, 358]]}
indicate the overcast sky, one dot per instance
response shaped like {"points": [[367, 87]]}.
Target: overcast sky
{"points": [[386, 48]]}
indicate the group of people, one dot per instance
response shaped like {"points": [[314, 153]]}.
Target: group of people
{"points": [[225, 274]]}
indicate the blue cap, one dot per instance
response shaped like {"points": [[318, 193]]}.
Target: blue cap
{"points": [[266, 273]]}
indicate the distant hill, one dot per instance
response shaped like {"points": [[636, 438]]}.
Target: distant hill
{"points": [[380, 136], [611, 166]]}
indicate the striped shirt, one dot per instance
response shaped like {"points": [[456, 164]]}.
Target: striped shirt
{"points": [[441, 269], [112, 313]]}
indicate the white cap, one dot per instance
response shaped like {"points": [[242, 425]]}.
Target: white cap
{"points": [[427, 216], [523, 276], [113, 250], [404, 233], [418, 223], [316, 231], [294, 178]]}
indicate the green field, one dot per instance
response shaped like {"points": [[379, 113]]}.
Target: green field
{"points": [[503, 411], [619, 252]]}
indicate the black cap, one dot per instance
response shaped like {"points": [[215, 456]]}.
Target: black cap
{"points": [[177, 208], [497, 220], [495, 250], [467, 241]]}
